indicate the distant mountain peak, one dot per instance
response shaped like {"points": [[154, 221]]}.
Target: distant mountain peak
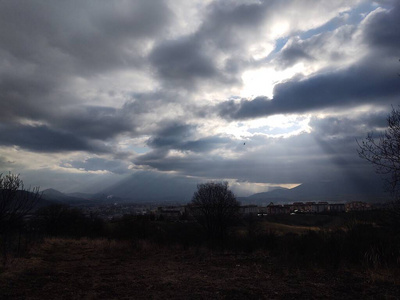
{"points": [[52, 192], [340, 190]]}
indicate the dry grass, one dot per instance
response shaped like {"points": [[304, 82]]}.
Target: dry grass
{"points": [[282, 229], [108, 269]]}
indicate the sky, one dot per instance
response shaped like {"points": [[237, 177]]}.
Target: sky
{"points": [[258, 93]]}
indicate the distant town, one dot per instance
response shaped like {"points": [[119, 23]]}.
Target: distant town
{"points": [[176, 212]]}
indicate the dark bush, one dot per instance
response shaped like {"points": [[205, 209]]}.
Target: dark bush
{"points": [[62, 220]]}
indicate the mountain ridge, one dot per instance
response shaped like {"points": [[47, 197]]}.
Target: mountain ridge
{"points": [[330, 191], [133, 190]]}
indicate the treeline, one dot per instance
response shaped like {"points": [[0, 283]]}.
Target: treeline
{"points": [[364, 239]]}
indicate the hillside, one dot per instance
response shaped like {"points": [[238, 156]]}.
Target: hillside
{"points": [[163, 189], [331, 191], [101, 269], [146, 187], [54, 196]]}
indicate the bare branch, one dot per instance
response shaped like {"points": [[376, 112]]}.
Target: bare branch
{"points": [[215, 208], [16, 201], [384, 151]]}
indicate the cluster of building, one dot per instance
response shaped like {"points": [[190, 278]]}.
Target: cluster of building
{"points": [[114, 210], [176, 212], [315, 207]]}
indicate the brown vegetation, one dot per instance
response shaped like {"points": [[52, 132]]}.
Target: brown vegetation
{"points": [[105, 269], [352, 255]]}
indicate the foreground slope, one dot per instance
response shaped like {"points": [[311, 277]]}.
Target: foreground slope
{"points": [[103, 269]]}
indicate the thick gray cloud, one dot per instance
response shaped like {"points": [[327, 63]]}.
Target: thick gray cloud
{"points": [[95, 122], [350, 127], [45, 139], [328, 152], [367, 82], [45, 47], [226, 30], [183, 60], [100, 164], [131, 85], [182, 137], [171, 135], [292, 55], [383, 30], [226, 26], [93, 36], [255, 167], [371, 79], [316, 48]]}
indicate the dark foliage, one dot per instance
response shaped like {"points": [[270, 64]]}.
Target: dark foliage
{"points": [[16, 203], [131, 227], [215, 208], [62, 220]]}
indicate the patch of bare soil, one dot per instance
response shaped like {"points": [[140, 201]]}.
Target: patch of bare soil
{"points": [[101, 269]]}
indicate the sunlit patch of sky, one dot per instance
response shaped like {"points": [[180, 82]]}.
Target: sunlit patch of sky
{"points": [[245, 189], [261, 82], [282, 126], [350, 17]]}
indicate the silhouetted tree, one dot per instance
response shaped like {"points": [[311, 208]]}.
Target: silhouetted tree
{"points": [[61, 220], [15, 203], [384, 151], [215, 207]]}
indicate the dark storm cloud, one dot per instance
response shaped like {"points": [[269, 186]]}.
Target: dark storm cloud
{"points": [[23, 96], [291, 55], [317, 47], [83, 124], [255, 168], [352, 127], [45, 139], [225, 24], [205, 144], [95, 122], [257, 107], [55, 57], [329, 152], [100, 164], [171, 135], [277, 160], [182, 59], [226, 29], [93, 36], [365, 83], [183, 137], [383, 30], [371, 80], [199, 145], [45, 46]]}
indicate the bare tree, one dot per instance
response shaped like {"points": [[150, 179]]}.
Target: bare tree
{"points": [[215, 207], [384, 152], [15, 203]]}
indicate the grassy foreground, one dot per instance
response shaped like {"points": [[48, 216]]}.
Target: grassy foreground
{"points": [[107, 269]]}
